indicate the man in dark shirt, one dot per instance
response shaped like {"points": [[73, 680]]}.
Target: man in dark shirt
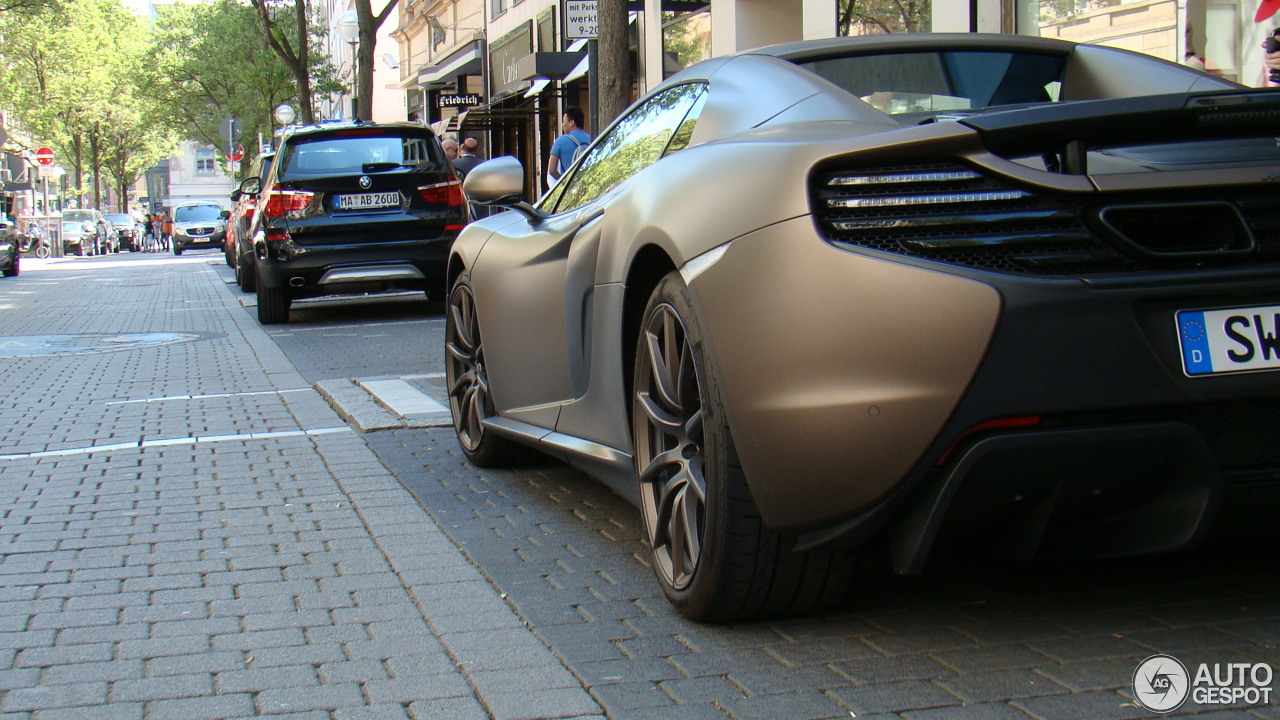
{"points": [[467, 158]]}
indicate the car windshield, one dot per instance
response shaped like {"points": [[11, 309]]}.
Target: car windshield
{"points": [[348, 154], [72, 228], [196, 213], [78, 215], [920, 82], [120, 219]]}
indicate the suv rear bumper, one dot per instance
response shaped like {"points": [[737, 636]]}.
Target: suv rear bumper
{"points": [[369, 267]]}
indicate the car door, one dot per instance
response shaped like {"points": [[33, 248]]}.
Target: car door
{"points": [[533, 281]]}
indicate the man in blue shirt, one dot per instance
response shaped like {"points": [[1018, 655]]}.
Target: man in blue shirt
{"points": [[566, 146]]}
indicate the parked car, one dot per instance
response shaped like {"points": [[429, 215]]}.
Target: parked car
{"points": [[10, 247], [99, 239], [78, 236], [895, 293], [239, 236], [353, 208], [127, 233], [198, 225]]}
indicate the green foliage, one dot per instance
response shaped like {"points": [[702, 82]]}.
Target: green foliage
{"points": [[210, 63], [870, 17], [70, 80], [686, 38]]}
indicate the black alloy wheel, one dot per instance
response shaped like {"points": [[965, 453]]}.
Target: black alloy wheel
{"points": [[469, 399], [669, 456]]}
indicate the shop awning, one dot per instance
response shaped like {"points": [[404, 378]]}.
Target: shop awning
{"points": [[467, 61]]}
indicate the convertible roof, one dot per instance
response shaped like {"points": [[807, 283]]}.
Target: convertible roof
{"points": [[807, 50]]}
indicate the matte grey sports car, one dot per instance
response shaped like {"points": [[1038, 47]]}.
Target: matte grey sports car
{"points": [[920, 290]]}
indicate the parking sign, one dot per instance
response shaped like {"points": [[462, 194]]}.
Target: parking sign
{"points": [[580, 20]]}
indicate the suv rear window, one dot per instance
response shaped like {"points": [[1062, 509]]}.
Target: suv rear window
{"points": [[340, 154], [922, 82], [196, 213]]}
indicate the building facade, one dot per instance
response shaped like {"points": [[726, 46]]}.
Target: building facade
{"points": [[503, 70]]}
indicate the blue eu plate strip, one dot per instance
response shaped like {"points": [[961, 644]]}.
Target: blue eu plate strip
{"points": [[1195, 343]]}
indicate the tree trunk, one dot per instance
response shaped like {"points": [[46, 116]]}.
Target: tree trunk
{"points": [[614, 62], [77, 141], [95, 165], [299, 61], [368, 40]]}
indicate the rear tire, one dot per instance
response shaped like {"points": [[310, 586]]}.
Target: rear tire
{"points": [[14, 268], [468, 385], [247, 274], [273, 305], [713, 554]]}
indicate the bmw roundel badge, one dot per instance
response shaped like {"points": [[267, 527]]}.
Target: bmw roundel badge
{"points": [[365, 181]]}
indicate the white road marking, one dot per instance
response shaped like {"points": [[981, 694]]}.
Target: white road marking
{"points": [[202, 397], [173, 441], [402, 398]]}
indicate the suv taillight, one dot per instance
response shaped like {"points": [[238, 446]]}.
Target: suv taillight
{"points": [[280, 201], [444, 193]]}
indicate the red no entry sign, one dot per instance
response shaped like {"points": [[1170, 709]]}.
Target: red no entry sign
{"points": [[236, 155], [44, 156]]}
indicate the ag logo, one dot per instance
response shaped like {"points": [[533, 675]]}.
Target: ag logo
{"points": [[365, 181], [1161, 683]]}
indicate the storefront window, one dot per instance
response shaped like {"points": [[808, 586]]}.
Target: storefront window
{"points": [[878, 17], [1221, 37], [686, 39]]}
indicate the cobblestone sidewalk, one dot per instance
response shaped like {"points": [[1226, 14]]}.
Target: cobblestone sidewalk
{"points": [[190, 532]]}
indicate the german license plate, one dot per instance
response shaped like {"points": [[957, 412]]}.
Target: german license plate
{"points": [[1226, 341], [369, 201]]}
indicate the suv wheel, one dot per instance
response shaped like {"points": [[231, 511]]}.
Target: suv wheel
{"points": [[273, 304]]}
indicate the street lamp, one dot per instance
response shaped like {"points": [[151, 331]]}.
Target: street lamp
{"points": [[349, 29], [284, 114]]}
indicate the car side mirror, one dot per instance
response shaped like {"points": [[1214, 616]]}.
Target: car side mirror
{"points": [[499, 181], [224, 214], [250, 186]]}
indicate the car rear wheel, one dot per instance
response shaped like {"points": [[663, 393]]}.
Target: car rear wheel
{"points": [[469, 399], [273, 305], [247, 275], [713, 555]]}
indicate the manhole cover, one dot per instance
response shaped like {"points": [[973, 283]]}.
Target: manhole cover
{"points": [[84, 344]]}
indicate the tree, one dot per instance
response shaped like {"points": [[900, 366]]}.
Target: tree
{"points": [[369, 24], [197, 95], [614, 62], [868, 17], [289, 36], [68, 70]]}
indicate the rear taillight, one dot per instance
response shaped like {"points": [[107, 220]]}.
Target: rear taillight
{"points": [[280, 201], [445, 193]]}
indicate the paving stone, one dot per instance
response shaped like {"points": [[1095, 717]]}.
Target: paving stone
{"points": [[1000, 685]]}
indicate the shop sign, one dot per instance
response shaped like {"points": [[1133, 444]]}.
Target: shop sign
{"points": [[504, 59], [457, 101]]}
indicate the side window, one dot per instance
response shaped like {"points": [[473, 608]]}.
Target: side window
{"points": [[632, 145], [684, 133]]}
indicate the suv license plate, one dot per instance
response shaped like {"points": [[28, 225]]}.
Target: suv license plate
{"points": [[1225, 341], [368, 201]]}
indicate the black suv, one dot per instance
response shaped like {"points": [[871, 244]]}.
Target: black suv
{"points": [[353, 208]]}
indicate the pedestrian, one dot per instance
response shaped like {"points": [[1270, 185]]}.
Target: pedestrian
{"points": [[568, 146], [467, 157], [450, 147], [166, 234]]}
